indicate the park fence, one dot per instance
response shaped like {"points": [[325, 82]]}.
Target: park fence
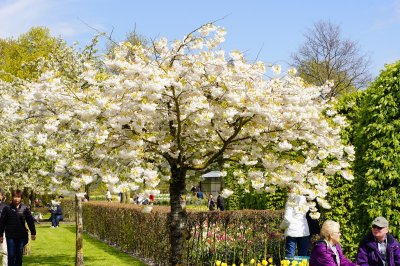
{"points": [[229, 236]]}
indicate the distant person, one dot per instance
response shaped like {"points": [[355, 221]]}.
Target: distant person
{"points": [[3, 247], [38, 203], [85, 198], [220, 202], [200, 194], [151, 198], [108, 195], [327, 251], [12, 221], [211, 203], [56, 213], [313, 224], [193, 190], [379, 247]]}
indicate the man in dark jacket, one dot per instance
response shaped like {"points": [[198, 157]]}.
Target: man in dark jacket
{"points": [[220, 202], [12, 221], [379, 248], [3, 245]]}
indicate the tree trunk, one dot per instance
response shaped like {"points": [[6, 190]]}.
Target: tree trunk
{"points": [[127, 197], [177, 217], [79, 232]]}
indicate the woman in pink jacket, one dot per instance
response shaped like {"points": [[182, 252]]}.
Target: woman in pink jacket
{"points": [[327, 251]]}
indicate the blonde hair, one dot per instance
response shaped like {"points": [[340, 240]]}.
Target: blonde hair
{"points": [[329, 227]]}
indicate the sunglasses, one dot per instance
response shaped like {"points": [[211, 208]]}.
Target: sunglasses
{"points": [[377, 227]]}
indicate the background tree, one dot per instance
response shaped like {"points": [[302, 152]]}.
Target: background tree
{"points": [[54, 115], [20, 58], [131, 37], [327, 56]]}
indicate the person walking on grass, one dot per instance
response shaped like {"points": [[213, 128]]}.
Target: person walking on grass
{"points": [[108, 196], [3, 246], [12, 221]]}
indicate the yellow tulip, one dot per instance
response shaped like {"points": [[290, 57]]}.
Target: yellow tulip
{"points": [[264, 262], [218, 262], [270, 260], [224, 264], [252, 261]]}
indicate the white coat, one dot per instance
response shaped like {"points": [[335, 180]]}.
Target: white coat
{"points": [[295, 216]]}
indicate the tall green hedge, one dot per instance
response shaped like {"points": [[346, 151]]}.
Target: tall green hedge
{"points": [[377, 141], [374, 117]]}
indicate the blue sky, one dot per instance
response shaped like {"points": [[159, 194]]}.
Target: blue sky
{"points": [[271, 30]]}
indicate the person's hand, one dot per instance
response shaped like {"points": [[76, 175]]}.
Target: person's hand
{"points": [[33, 237]]}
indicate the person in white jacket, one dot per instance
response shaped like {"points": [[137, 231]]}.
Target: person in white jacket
{"points": [[296, 228]]}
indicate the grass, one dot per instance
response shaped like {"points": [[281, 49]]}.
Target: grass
{"points": [[56, 247]]}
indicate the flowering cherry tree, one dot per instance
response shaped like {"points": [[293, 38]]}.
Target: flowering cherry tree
{"points": [[161, 112], [185, 105]]}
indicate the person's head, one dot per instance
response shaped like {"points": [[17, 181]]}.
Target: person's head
{"points": [[2, 195], [211, 195], [16, 196], [380, 227], [330, 231]]}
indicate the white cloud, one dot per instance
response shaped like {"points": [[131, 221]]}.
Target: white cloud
{"points": [[17, 16]]}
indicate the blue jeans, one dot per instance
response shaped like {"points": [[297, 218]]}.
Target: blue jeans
{"points": [[15, 249], [302, 243], [55, 219]]}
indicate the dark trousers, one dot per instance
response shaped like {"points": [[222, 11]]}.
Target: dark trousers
{"points": [[55, 219], [15, 249]]}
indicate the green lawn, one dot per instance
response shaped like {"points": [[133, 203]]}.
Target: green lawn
{"points": [[56, 246]]}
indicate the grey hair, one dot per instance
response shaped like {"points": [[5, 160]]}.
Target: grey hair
{"points": [[328, 228]]}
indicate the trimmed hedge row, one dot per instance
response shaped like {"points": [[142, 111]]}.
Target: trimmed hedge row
{"points": [[127, 227], [230, 236]]}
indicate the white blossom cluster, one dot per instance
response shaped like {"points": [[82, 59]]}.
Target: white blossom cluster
{"points": [[180, 105]]}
